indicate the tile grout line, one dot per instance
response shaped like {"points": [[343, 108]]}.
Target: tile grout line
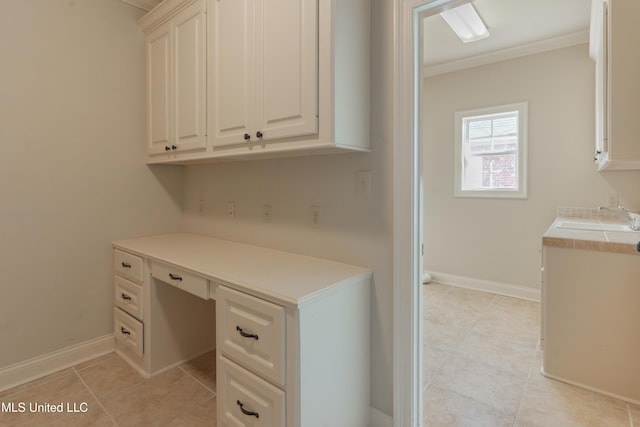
{"points": [[454, 349], [95, 397], [524, 389], [199, 382]]}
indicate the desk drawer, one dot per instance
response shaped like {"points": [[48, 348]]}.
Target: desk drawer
{"points": [[246, 400], [188, 282], [128, 331], [252, 333], [128, 265], [128, 296]]}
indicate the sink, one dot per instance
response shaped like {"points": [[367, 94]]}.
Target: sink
{"points": [[593, 226]]}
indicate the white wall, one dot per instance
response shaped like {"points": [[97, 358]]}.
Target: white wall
{"points": [[71, 168], [356, 229], [498, 240]]}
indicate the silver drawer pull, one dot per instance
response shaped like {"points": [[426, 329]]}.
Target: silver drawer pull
{"points": [[124, 330], [125, 264], [125, 297], [245, 334], [244, 411], [175, 277]]}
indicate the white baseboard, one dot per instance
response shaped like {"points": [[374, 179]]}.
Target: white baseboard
{"points": [[379, 418], [593, 389], [23, 372], [487, 286]]}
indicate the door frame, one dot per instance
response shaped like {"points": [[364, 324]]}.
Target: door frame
{"points": [[407, 211]]}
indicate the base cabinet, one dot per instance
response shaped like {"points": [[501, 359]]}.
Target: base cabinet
{"points": [[292, 339], [244, 399], [591, 320], [147, 311], [308, 359]]}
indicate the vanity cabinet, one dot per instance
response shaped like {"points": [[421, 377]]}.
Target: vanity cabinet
{"points": [[613, 31], [592, 323], [175, 37], [292, 332], [256, 79], [590, 318]]}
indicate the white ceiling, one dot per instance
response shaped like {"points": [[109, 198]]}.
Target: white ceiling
{"points": [[512, 24]]}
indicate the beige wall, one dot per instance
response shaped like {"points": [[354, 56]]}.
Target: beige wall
{"points": [[73, 180], [498, 240], [71, 168]]}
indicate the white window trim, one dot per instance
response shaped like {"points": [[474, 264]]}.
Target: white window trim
{"points": [[521, 193]]}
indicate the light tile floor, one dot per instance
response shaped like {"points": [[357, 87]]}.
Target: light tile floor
{"points": [[482, 368], [116, 395]]}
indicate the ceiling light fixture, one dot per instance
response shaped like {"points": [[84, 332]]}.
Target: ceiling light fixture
{"points": [[466, 23]]}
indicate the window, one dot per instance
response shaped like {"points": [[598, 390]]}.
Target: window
{"points": [[491, 150]]}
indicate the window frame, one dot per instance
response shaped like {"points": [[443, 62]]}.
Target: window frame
{"points": [[522, 152]]}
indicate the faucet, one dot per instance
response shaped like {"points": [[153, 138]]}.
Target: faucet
{"points": [[633, 218]]}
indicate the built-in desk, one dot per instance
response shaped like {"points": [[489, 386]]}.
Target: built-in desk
{"points": [[291, 332]]}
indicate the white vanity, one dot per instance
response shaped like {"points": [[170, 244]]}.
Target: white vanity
{"points": [[291, 332], [590, 298]]}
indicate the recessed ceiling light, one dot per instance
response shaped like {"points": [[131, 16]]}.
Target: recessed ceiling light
{"points": [[466, 23]]}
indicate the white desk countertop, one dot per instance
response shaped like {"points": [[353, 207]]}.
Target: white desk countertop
{"points": [[275, 275]]}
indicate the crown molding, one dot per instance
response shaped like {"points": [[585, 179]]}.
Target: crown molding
{"points": [[509, 53], [143, 4]]}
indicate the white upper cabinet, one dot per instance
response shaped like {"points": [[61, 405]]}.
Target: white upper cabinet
{"points": [[263, 70], [256, 78], [176, 78], [614, 30], [158, 90]]}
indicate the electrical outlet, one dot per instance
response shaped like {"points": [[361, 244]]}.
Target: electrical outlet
{"points": [[266, 213], [231, 209], [315, 216], [363, 182], [201, 208], [613, 199]]}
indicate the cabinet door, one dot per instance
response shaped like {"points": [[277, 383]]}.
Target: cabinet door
{"points": [[190, 78], [231, 66], [286, 68], [159, 90]]}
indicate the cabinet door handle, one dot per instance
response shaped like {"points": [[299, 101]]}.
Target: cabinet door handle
{"points": [[258, 134], [245, 334], [173, 147], [167, 148], [244, 411], [175, 277], [125, 297], [598, 152], [125, 264], [124, 330], [247, 137]]}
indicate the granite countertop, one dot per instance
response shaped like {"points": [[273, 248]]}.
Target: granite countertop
{"points": [[606, 241]]}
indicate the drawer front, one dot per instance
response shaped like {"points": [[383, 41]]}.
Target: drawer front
{"points": [[128, 331], [188, 282], [128, 296], [128, 265], [252, 333], [246, 400]]}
